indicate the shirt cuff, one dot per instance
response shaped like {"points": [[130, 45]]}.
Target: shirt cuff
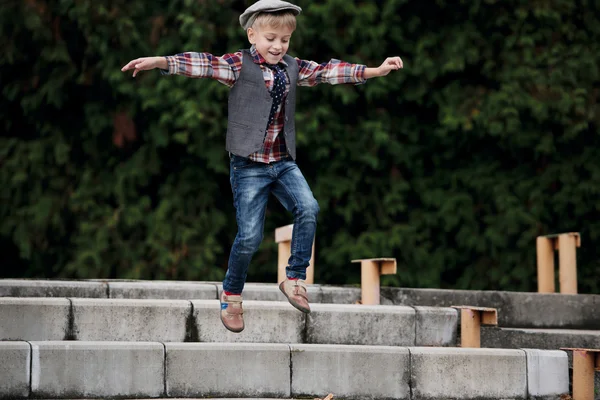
{"points": [[171, 64], [359, 74]]}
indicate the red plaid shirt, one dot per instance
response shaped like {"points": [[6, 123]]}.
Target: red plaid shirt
{"points": [[226, 69]]}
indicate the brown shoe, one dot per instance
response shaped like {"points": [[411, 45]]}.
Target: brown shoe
{"points": [[295, 291], [232, 314]]}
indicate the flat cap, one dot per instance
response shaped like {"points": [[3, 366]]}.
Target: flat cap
{"points": [[248, 17]]}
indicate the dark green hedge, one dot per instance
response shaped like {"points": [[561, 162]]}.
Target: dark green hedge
{"points": [[488, 138]]}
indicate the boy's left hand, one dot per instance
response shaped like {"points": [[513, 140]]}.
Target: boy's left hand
{"points": [[390, 64]]}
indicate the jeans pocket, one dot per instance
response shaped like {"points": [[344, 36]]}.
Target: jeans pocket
{"points": [[238, 162]]}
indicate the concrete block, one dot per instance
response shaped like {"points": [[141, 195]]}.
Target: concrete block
{"points": [[340, 295], [350, 372], [265, 322], [463, 373], [515, 309], [260, 292], [131, 320], [97, 369], [227, 370], [436, 326], [271, 292], [547, 373], [14, 369], [361, 324], [442, 297], [51, 288], [531, 310], [162, 290], [551, 339], [34, 318]]}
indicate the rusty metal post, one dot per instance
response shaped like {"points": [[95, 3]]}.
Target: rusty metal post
{"points": [[371, 270], [545, 264], [583, 375], [310, 270], [369, 282], [470, 325], [567, 263]]}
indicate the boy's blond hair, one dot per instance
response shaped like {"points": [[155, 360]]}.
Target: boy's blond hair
{"points": [[275, 20]]}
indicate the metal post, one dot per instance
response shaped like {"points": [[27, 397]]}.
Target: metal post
{"points": [[567, 263], [470, 325], [545, 264], [369, 282], [583, 375]]}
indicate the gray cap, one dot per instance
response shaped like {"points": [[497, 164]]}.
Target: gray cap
{"points": [[248, 17]]}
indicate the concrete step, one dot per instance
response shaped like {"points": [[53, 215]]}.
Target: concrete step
{"points": [[551, 339], [515, 309], [170, 290], [514, 338], [199, 321], [175, 290], [63, 369]]}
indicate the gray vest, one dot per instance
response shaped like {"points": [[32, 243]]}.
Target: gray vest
{"points": [[249, 106]]}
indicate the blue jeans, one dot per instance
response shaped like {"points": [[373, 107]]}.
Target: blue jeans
{"points": [[251, 183]]}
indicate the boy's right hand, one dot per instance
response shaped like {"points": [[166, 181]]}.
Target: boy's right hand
{"points": [[145, 64]]}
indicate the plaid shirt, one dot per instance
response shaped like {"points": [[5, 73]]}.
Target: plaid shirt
{"points": [[226, 69]]}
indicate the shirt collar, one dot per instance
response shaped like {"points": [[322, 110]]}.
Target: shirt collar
{"points": [[258, 59]]}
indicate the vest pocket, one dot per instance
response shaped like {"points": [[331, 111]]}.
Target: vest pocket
{"points": [[235, 126], [247, 82], [237, 137]]}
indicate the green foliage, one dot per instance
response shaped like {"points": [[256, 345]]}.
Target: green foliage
{"points": [[487, 139]]}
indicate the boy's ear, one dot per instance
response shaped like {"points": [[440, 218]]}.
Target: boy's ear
{"points": [[251, 35]]}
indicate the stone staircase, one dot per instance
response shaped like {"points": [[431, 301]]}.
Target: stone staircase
{"points": [[141, 339], [54, 319], [82, 369]]}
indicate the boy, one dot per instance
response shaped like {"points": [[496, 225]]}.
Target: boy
{"points": [[261, 138]]}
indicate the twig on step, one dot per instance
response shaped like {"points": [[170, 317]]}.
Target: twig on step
{"points": [[328, 397]]}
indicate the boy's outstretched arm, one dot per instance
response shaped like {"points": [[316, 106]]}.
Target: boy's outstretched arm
{"points": [[145, 64], [390, 64], [224, 69], [336, 72]]}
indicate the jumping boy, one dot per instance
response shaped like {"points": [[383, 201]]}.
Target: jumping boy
{"points": [[261, 138]]}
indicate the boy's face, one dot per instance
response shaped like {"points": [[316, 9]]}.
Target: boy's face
{"points": [[271, 43]]}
